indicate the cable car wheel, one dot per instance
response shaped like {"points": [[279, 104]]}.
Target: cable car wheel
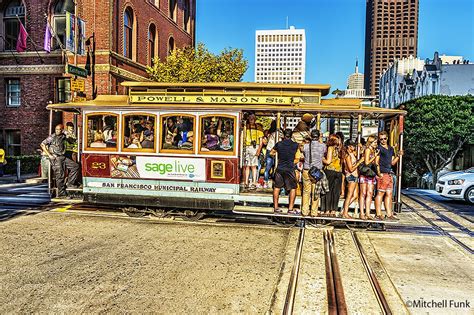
{"points": [[134, 212], [193, 215]]}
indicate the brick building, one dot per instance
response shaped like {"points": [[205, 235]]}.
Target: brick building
{"points": [[127, 35]]}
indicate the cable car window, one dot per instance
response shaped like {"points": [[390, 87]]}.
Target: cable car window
{"points": [[139, 132], [177, 133], [217, 134], [101, 131]]}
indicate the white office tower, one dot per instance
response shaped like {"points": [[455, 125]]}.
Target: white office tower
{"points": [[280, 56]]}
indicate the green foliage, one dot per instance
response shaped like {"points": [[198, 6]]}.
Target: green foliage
{"points": [[199, 65], [436, 128], [29, 164]]}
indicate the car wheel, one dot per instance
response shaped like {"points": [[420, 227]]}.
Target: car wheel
{"points": [[469, 195]]}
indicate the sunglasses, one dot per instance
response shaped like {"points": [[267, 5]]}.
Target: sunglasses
{"points": [[382, 139]]}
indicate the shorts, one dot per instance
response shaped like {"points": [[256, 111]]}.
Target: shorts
{"points": [[351, 178], [367, 180], [385, 183], [250, 158], [285, 178]]}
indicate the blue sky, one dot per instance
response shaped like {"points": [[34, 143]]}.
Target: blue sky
{"points": [[335, 31]]}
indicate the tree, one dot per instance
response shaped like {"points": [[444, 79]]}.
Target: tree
{"points": [[199, 65], [436, 129]]}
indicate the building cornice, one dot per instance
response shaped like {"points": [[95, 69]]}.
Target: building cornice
{"points": [[31, 69], [29, 54]]}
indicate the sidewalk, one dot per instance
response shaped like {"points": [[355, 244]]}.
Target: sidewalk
{"points": [[25, 178]]}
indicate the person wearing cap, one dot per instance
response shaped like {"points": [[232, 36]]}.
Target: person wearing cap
{"points": [[302, 129]]}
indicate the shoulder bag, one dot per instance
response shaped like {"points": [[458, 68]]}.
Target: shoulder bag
{"points": [[315, 174]]}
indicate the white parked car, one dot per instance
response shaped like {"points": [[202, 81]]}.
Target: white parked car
{"points": [[457, 185]]}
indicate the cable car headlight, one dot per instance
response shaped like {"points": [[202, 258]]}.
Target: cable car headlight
{"points": [[456, 182]]}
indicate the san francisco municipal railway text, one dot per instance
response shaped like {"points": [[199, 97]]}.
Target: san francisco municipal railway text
{"points": [[159, 187]]}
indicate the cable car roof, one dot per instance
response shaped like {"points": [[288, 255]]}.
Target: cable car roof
{"points": [[263, 98]]}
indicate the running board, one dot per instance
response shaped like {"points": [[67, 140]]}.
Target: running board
{"points": [[268, 212]]}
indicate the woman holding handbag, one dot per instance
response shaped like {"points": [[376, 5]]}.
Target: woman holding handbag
{"points": [[367, 174]]}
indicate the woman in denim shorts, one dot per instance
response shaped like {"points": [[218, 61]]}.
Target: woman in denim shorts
{"points": [[351, 163], [367, 184]]}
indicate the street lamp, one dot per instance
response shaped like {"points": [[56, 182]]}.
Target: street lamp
{"points": [[91, 68]]}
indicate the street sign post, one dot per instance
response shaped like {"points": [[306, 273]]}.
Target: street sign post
{"points": [[80, 72]]}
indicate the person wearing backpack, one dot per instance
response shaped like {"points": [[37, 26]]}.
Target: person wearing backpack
{"points": [[313, 152]]}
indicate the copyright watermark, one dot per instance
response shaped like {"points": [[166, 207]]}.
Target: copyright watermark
{"points": [[445, 303]]}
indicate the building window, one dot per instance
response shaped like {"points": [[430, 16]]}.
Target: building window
{"points": [[13, 142], [170, 45], [63, 90], [11, 25], [187, 15], [13, 90], [59, 21], [152, 43], [128, 33], [172, 9]]}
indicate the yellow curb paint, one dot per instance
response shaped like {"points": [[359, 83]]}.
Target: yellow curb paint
{"points": [[63, 209]]}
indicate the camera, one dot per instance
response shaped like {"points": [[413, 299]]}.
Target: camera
{"points": [[254, 144]]}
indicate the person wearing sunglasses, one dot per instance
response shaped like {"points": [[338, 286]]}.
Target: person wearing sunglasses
{"points": [[387, 159]]}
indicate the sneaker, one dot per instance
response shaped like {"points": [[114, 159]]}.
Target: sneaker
{"points": [[294, 212]]}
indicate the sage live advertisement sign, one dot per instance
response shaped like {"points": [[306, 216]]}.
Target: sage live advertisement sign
{"points": [[171, 168]]}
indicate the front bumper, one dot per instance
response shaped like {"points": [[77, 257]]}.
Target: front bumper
{"points": [[450, 191]]}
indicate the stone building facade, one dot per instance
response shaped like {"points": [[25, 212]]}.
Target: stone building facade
{"points": [[127, 35]]}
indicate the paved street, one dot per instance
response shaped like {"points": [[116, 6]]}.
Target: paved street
{"points": [[74, 259], [16, 199], [456, 206]]}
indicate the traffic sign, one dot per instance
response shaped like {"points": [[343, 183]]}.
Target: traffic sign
{"points": [[78, 85], [79, 99], [80, 72]]}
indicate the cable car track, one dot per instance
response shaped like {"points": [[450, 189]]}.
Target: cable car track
{"points": [[437, 227]]}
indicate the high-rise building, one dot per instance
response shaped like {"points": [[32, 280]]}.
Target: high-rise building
{"points": [[122, 36], [280, 56], [355, 84], [391, 32]]}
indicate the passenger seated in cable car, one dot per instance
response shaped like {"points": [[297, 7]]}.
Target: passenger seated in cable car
{"points": [[109, 132], [135, 144], [211, 139], [147, 136], [188, 139], [99, 141]]}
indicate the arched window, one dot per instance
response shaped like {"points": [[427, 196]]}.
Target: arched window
{"points": [[151, 44], [59, 20], [172, 9], [170, 45], [187, 15], [128, 33], [10, 23]]}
